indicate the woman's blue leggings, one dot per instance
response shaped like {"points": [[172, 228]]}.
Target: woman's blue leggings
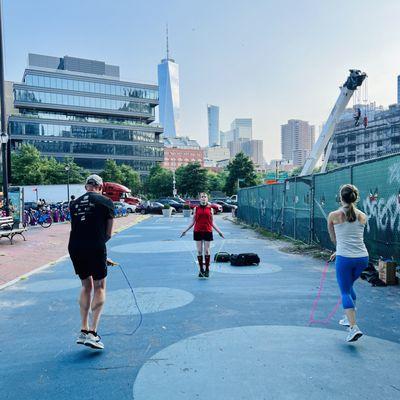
{"points": [[348, 270]]}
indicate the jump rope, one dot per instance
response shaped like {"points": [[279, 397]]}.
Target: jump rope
{"points": [[326, 320], [114, 264]]}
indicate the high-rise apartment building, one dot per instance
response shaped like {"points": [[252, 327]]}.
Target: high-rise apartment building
{"points": [[213, 125], [77, 108], [359, 143], [297, 140], [242, 128], [254, 149]]}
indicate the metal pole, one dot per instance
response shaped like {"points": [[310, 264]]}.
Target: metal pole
{"points": [[68, 186], [3, 126]]}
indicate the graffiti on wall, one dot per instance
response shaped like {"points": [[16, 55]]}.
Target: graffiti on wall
{"points": [[394, 173], [385, 213]]}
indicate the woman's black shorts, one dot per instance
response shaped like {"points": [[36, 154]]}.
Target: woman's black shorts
{"points": [[206, 236], [90, 263]]}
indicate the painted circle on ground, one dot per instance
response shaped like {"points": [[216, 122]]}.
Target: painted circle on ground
{"points": [[263, 268], [52, 285], [150, 300], [174, 245], [169, 245], [271, 362]]}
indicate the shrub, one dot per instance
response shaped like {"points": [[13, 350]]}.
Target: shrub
{"points": [[167, 206], [186, 207]]}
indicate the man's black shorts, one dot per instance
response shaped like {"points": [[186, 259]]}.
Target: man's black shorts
{"points": [[206, 236], [90, 263]]}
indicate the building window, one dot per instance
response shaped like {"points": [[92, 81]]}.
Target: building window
{"points": [[340, 149], [351, 137], [352, 147], [366, 146], [352, 158], [341, 139], [379, 143], [395, 140]]}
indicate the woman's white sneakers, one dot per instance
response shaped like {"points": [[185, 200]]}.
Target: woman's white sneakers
{"points": [[354, 334], [344, 321]]}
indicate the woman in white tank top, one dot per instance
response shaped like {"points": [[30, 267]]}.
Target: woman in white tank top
{"points": [[346, 230]]}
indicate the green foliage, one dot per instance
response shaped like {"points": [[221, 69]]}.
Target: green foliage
{"points": [[167, 206], [29, 168], [295, 171], [191, 179], [131, 178], [112, 172], [122, 174], [159, 183], [216, 181], [186, 207], [242, 168]]}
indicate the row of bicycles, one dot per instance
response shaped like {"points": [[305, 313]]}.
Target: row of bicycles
{"points": [[45, 217]]}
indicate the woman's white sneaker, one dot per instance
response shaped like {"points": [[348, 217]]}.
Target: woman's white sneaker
{"points": [[344, 321], [82, 337], [93, 340], [354, 334]]}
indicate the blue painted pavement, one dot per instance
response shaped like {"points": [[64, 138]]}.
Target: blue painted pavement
{"points": [[242, 334]]}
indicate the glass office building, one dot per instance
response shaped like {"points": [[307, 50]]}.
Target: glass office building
{"points": [[76, 108]]}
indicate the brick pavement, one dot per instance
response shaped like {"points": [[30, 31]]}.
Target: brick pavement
{"points": [[42, 246]]}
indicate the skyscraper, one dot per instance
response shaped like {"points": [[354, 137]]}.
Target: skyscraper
{"points": [[243, 128], [213, 125], [297, 139], [168, 81], [254, 149]]}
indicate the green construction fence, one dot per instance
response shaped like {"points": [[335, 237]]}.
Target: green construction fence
{"points": [[298, 208]]}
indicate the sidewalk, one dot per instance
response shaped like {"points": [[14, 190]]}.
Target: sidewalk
{"points": [[42, 246]]}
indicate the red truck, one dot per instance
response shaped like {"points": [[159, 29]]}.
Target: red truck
{"points": [[117, 192]]}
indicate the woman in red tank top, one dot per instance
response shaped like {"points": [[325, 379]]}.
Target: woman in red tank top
{"points": [[203, 233]]}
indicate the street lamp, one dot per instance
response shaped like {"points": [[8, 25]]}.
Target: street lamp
{"points": [[3, 125], [67, 169]]}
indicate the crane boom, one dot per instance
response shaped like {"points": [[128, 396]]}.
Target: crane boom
{"points": [[354, 80]]}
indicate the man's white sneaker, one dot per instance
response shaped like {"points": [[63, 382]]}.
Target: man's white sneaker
{"points": [[354, 334], [344, 321], [93, 340], [82, 337]]}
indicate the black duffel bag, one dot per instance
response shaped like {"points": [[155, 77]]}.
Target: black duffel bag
{"points": [[222, 257], [244, 259]]}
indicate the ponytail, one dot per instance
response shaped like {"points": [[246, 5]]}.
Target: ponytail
{"points": [[349, 194], [350, 213]]}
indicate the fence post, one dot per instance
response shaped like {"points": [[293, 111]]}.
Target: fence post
{"points": [[283, 208], [312, 191], [294, 208]]}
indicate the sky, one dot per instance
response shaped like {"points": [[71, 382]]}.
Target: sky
{"points": [[269, 60]]}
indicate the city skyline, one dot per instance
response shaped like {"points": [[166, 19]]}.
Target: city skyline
{"points": [[293, 72]]}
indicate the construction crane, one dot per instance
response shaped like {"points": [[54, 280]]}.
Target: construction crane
{"points": [[354, 80]]}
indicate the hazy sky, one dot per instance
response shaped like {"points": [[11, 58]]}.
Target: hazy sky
{"points": [[267, 60]]}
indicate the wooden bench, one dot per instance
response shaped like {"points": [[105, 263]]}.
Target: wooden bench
{"points": [[9, 229]]}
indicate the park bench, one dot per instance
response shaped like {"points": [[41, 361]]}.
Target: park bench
{"points": [[9, 229]]}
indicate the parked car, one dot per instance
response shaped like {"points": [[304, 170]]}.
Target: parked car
{"points": [[173, 203], [225, 206], [194, 203], [152, 207], [130, 208], [119, 209]]}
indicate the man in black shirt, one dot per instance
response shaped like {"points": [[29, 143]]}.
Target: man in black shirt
{"points": [[91, 227]]}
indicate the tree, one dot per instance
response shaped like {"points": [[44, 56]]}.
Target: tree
{"points": [[112, 172], [26, 168], [191, 179], [216, 181], [159, 183], [131, 178], [240, 169]]}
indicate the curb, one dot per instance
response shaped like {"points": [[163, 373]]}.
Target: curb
{"points": [[64, 257]]}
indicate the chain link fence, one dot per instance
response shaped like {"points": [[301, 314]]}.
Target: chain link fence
{"points": [[299, 207]]}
